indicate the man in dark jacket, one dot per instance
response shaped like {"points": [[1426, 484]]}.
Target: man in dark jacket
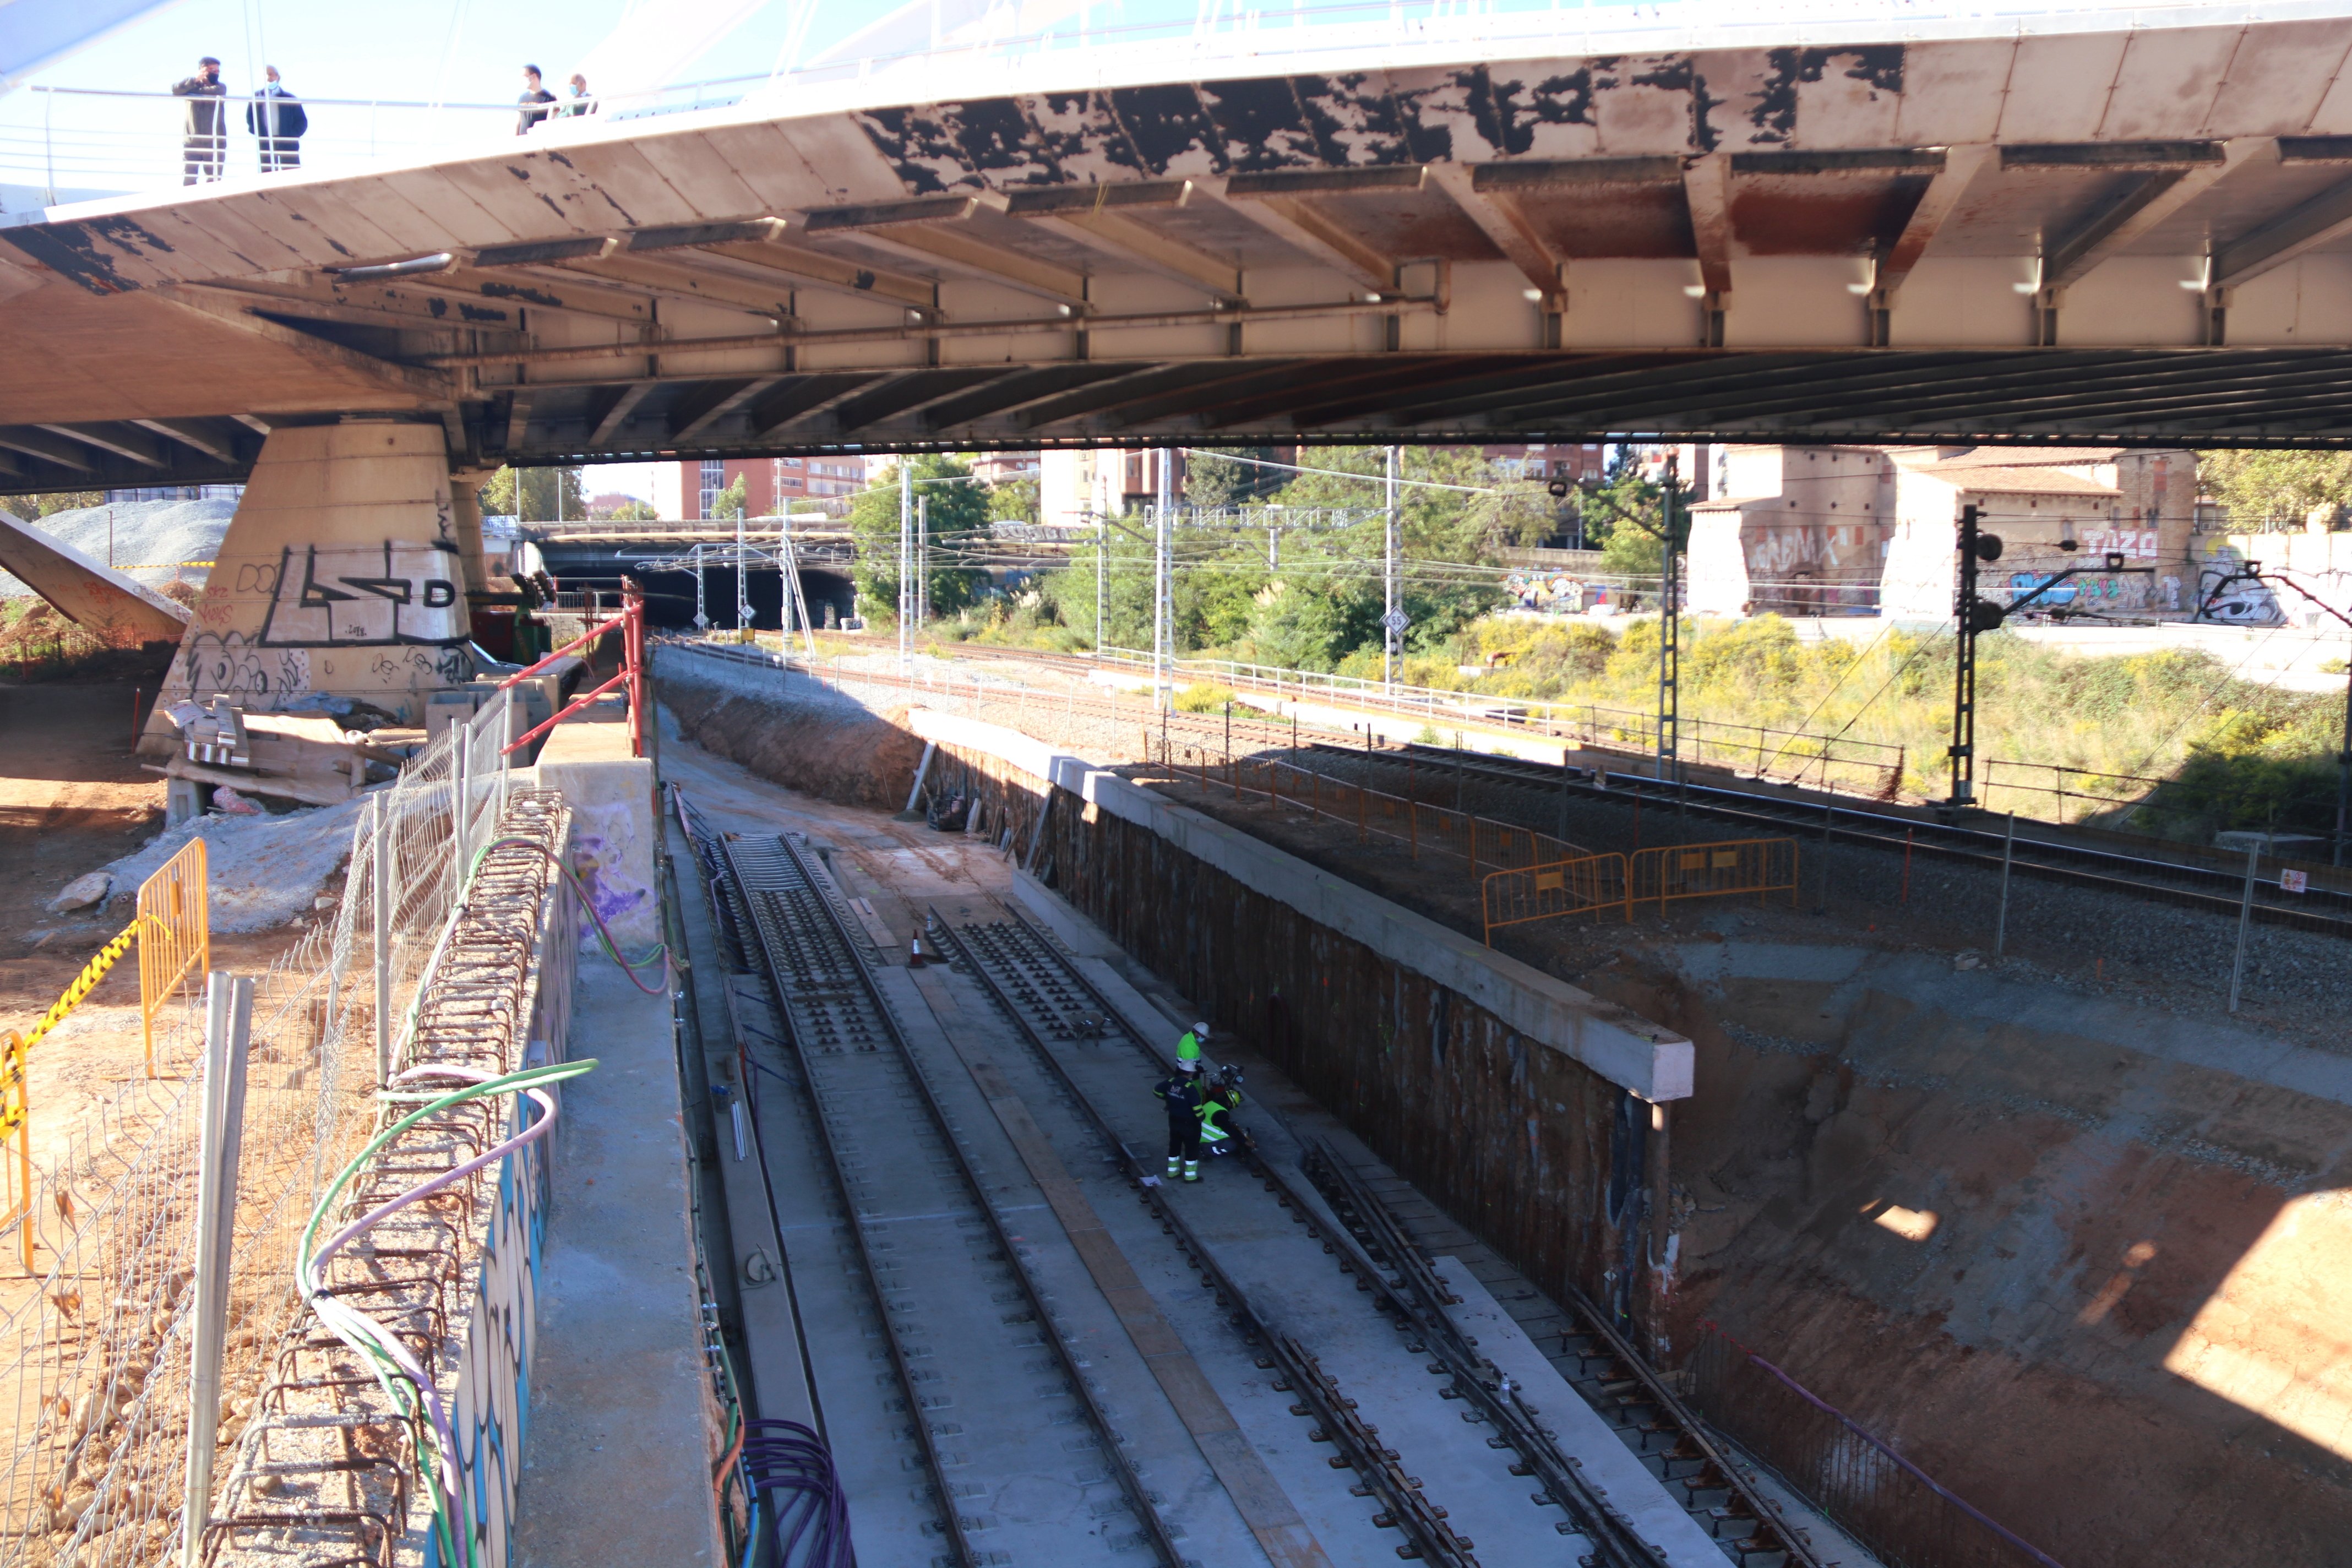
{"points": [[277, 118], [203, 141], [533, 95], [1181, 1095]]}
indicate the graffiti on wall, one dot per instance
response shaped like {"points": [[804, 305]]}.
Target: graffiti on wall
{"points": [[336, 596], [1806, 568], [226, 663], [492, 1406], [2225, 597]]}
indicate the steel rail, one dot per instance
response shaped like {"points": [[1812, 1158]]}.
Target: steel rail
{"points": [[1388, 1239], [2100, 871], [1422, 1522], [835, 934], [1614, 1541], [2104, 870]]}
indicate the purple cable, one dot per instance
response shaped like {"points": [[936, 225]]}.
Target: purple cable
{"points": [[391, 1344]]}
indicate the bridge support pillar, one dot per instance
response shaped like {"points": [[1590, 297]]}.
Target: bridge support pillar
{"points": [[342, 576]]}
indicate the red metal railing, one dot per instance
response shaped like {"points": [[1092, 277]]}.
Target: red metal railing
{"points": [[630, 623]]}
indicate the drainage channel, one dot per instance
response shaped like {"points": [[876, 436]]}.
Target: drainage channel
{"points": [[855, 1059], [1059, 1012]]}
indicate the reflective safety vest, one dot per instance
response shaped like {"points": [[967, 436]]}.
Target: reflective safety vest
{"points": [[1215, 1102]]}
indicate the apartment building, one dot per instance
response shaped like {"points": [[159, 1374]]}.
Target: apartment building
{"points": [[689, 491]]}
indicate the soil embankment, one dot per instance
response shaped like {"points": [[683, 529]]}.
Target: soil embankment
{"points": [[800, 735]]}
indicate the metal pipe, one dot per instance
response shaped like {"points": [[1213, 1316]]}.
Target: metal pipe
{"points": [[383, 944], [2007, 854], [228, 1028], [2245, 921], [927, 329]]}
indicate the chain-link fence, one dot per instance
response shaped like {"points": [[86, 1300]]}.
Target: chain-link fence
{"points": [[95, 1339]]}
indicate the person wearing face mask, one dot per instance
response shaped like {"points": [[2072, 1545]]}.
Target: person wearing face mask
{"points": [[204, 138], [277, 118]]}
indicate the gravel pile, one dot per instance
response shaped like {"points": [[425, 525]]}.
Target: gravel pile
{"points": [[148, 535], [263, 870]]}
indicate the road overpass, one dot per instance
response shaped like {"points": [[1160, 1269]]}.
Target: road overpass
{"points": [[2066, 228], [1952, 227]]}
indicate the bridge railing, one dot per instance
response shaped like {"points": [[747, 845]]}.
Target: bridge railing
{"points": [[76, 142]]}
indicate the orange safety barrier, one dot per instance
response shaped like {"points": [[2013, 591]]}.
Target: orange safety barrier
{"points": [[1736, 866], [174, 928], [1583, 885]]}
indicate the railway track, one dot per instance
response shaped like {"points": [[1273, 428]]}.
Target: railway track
{"points": [[2216, 890], [2093, 867], [1066, 1020], [837, 1017], [852, 1055]]}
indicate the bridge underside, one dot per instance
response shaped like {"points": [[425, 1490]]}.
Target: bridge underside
{"points": [[2292, 397], [2125, 234]]}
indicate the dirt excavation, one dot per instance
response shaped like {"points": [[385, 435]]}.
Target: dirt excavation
{"points": [[2075, 1247], [807, 738]]}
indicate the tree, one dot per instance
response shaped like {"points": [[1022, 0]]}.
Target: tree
{"points": [[1014, 500], [633, 512], [2271, 488], [955, 521], [734, 500], [32, 508], [548, 494], [1626, 517], [1211, 483]]}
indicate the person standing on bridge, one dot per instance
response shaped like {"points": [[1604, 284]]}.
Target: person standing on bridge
{"points": [[276, 117], [580, 102], [204, 140], [533, 94]]}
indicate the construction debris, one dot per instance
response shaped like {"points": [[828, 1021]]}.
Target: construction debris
{"points": [[298, 757]]}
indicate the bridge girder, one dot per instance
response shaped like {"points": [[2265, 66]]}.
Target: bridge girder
{"points": [[2043, 237]]}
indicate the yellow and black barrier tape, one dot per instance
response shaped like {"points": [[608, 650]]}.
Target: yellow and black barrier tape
{"points": [[84, 983]]}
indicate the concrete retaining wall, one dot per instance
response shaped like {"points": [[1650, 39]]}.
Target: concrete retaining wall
{"points": [[1514, 1099]]}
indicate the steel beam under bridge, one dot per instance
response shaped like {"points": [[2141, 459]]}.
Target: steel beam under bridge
{"points": [[2033, 235]]}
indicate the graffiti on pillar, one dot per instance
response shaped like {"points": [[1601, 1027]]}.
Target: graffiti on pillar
{"points": [[2224, 595], [225, 664], [339, 596]]}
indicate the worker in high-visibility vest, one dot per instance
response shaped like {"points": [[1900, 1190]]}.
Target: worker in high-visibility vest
{"points": [[1188, 1049], [1220, 1097]]}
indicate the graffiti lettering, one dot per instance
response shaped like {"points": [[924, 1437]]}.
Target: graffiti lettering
{"points": [[389, 593]]}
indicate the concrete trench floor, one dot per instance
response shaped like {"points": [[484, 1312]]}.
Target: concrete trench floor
{"points": [[1041, 1507]]}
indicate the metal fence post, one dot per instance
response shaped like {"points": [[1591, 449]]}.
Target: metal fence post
{"points": [[2008, 853], [228, 1027], [2245, 920], [457, 808], [383, 944]]}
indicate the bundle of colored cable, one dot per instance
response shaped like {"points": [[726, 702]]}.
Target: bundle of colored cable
{"points": [[810, 1517], [404, 1381]]}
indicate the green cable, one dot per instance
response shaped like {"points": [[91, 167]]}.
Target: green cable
{"points": [[388, 1373]]}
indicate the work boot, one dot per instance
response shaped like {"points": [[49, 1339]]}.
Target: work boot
{"points": [[1191, 1170], [1171, 1167]]}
